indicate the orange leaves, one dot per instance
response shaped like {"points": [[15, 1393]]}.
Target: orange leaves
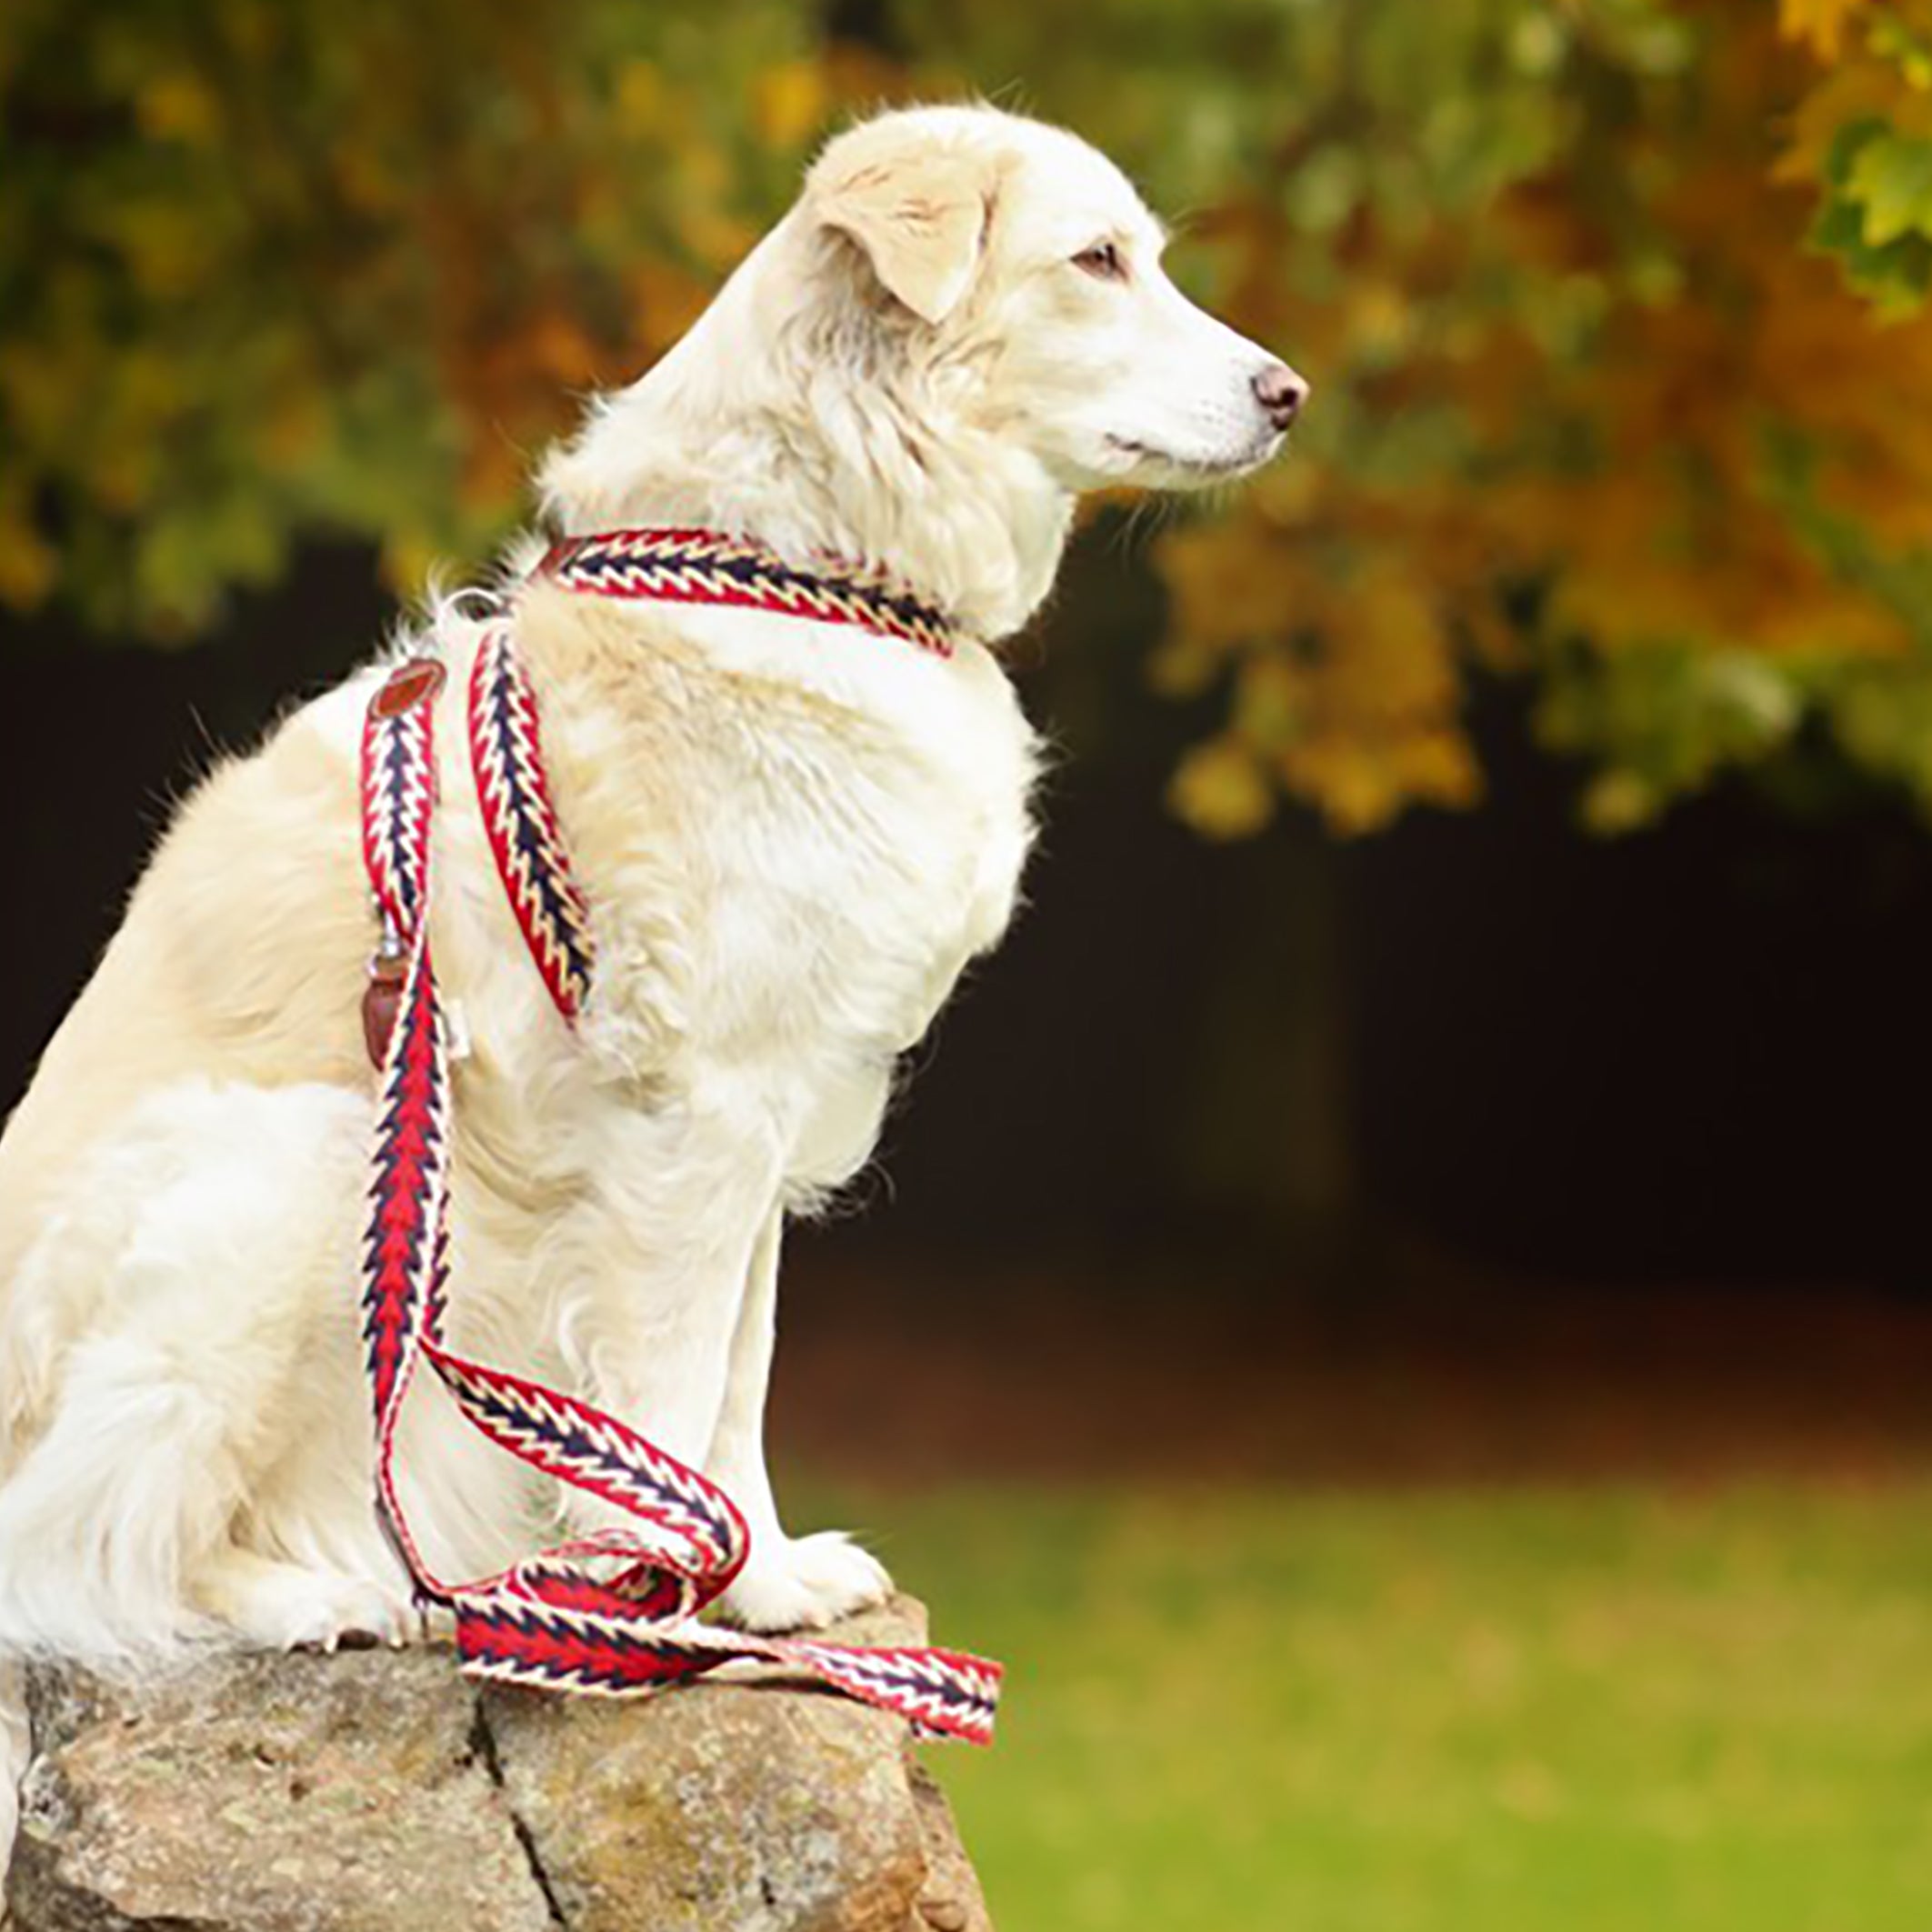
{"points": [[1222, 789], [176, 105], [790, 102], [1820, 23], [1342, 676], [1233, 581], [1363, 779], [1617, 319], [28, 563], [274, 268], [662, 301], [1635, 393]]}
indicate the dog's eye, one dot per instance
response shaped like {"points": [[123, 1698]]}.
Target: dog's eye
{"points": [[1103, 260]]}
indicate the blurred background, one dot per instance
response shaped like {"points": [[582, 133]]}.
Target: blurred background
{"points": [[1397, 1302]]}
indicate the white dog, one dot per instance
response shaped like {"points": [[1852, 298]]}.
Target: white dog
{"points": [[793, 835]]}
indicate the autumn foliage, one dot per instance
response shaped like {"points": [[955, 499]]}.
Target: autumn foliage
{"points": [[1615, 316]]}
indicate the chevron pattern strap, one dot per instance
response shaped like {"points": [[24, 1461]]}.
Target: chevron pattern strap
{"points": [[615, 1613], [402, 1261], [581, 1446], [703, 566], [398, 801], [506, 760]]}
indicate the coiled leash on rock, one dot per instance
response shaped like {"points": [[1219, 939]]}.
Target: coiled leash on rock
{"points": [[614, 1612]]}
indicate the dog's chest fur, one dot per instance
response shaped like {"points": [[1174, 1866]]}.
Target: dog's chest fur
{"points": [[793, 837]]}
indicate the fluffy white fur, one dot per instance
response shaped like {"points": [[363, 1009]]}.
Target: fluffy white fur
{"points": [[793, 836]]}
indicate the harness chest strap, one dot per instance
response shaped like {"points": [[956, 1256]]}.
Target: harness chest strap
{"points": [[615, 1613]]}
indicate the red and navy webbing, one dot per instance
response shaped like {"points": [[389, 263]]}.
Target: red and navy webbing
{"points": [[614, 1612], [703, 566]]}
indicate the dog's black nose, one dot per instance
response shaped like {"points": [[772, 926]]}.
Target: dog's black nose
{"points": [[1281, 393]]}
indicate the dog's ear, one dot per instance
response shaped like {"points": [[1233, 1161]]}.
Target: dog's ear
{"points": [[918, 208]]}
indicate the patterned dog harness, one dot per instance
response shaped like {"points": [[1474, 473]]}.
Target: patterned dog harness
{"points": [[614, 1612]]}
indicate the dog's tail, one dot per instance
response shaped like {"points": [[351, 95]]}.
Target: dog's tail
{"points": [[15, 1750]]}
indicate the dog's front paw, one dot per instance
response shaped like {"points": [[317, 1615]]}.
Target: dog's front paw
{"points": [[804, 1583], [282, 1607]]}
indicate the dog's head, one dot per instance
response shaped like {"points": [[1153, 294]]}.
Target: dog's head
{"points": [[962, 325], [1018, 261]]}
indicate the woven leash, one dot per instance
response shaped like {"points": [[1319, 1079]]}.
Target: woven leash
{"points": [[613, 1613]]}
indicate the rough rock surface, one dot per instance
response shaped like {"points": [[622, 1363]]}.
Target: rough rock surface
{"points": [[377, 1790]]}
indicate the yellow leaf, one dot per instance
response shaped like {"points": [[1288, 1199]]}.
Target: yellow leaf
{"points": [[1820, 23], [177, 107], [409, 560], [1440, 766], [28, 564], [1619, 801], [641, 95], [1221, 790], [1179, 670], [1351, 779], [1234, 581], [789, 102]]}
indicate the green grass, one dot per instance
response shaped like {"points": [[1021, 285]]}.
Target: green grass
{"points": [[1440, 1713]]}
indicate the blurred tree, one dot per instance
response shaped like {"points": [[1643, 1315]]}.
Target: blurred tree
{"points": [[1614, 312], [1588, 403], [277, 266]]}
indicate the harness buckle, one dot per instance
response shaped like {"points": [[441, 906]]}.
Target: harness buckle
{"points": [[382, 998], [415, 682]]}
